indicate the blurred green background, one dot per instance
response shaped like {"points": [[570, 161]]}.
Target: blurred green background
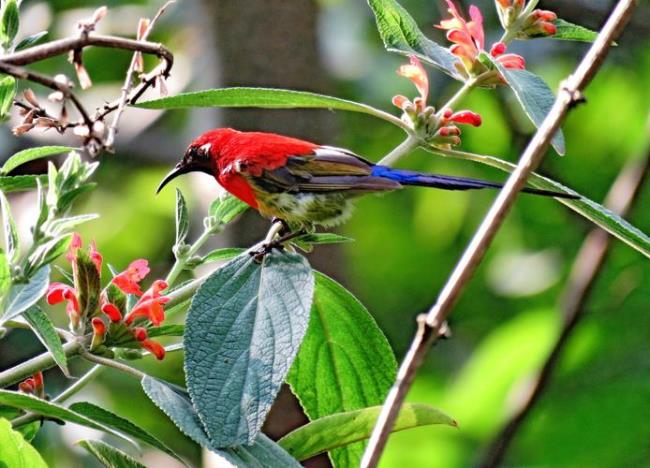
{"points": [[597, 408]]}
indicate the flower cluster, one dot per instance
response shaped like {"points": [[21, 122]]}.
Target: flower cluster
{"points": [[468, 40], [88, 307], [436, 128]]}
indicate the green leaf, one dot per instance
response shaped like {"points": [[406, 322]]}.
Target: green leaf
{"points": [[595, 212], [244, 328], [9, 22], [175, 403], [182, 218], [20, 183], [5, 276], [48, 252], [341, 429], [86, 283], [42, 326], [535, 97], [267, 98], [345, 362], [32, 154], [31, 40], [15, 452], [400, 33], [54, 411], [65, 200], [108, 455], [227, 209], [120, 424], [166, 330], [573, 32], [62, 225], [219, 255], [7, 94], [12, 242], [320, 238], [24, 295]]}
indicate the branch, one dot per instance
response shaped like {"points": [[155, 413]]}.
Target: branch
{"points": [[569, 95], [38, 363], [585, 271]]}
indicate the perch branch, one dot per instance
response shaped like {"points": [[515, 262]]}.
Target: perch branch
{"points": [[569, 95]]}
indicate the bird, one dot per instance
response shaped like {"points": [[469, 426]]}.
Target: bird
{"points": [[301, 183]]}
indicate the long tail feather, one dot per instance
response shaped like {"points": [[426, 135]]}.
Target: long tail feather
{"points": [[421, 179]]}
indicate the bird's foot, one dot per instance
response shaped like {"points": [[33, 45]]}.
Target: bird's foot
{"points": [[278, 243]]}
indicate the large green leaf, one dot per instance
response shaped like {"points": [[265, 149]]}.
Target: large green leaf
{"points": [[7, 94], [54, 411], [573, 32], [24, 295], [9, 22], [267, 98], [341, 429], [15, 452], [44, 329], [31, 154], [105, 417], [176, 404], [535, 97], [345, 362], [228, 208], [595, 212], [225, 253], [244, 328], [108, 455], [20, 183], [401, 34]]}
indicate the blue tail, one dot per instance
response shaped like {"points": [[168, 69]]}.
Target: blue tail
{"points": [[421, 179]]}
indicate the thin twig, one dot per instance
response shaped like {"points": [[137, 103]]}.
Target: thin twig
{"points": [[112, 363], [586, 269], [128, 80], [38, 363], [569, 95]]}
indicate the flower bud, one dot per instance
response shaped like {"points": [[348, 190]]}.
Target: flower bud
{"points": [[99, 332], [540, 23], [112, 312]]}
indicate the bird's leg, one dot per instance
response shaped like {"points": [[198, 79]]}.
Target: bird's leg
{"points": [[278, 228]]}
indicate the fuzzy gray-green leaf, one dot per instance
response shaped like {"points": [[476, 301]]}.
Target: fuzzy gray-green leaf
{"points": [[244, 328], [42, 326]]}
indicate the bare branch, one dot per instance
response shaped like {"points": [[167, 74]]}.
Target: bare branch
{"points": [[569, 95], [586, 268]]}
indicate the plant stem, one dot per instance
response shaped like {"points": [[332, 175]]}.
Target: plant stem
{"points": [[39, 363], [180, 263], [409, 144], [459, 96], [113, 363], [434, 323]]}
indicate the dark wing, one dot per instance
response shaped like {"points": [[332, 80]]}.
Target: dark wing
{"points": [[328, 169]]}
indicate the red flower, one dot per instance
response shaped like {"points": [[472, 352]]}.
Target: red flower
{"points": [[153, 347], [75, 245], [462, 117], [112, 312], [150, 305], [96, 257], [418, 76], [59, 292], [128, 281], [99, 327], [540, 23]]}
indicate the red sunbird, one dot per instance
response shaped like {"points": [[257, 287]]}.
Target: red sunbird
{"points": [[302, 183]]}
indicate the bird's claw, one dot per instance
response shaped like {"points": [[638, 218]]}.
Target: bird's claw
{"points": [[265, 249]]}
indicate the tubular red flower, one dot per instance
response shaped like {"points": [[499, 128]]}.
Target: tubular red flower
{"points": [[112, 312], [543, 15], [418, 76], [99, 327], [154, 348], [140, 333], [512, 61], [468, 36], [128, 281], [400, 101], [75, 245], [497, 49], [466, 117], [59, 292], [38, 381], [27, 386], [150, 306], [96, 257]]}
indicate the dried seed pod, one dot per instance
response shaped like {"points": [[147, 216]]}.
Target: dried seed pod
{"points": [[30, 97]]}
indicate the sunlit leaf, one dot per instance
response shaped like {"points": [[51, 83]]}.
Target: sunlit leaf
{"points": [[20, 183], [15, 452], [219, 255], [9, 22], [182, 218], [573, 32], [345, 362], [243, 330], [31, 40], [11, 239], [32, 154], [7, 94], [341, 429], [227, 209]]}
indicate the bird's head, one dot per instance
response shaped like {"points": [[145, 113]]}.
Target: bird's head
{"points": [[201, 155]]}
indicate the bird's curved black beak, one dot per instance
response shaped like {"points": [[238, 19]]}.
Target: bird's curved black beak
{"points": [[180, 169]]}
